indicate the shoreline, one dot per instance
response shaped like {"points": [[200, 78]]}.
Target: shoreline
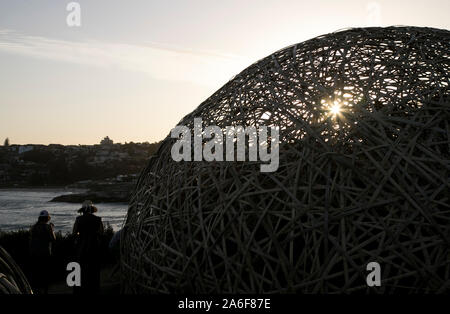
{"points": [[42, 188], [96, 191], [32, 187]]}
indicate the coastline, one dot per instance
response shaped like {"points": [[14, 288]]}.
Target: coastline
{"points": [[99, 191], [42, 188]]}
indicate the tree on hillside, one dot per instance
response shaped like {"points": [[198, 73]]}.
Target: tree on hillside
{"points": [[106, 141], [6, 143]]}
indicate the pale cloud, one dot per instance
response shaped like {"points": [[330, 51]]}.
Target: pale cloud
{"points": [[158, 61]]}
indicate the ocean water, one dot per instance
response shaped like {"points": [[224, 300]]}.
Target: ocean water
{"points": [[19, 209]]}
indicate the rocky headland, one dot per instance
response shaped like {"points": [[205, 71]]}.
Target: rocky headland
{"points": [[100, 191]]}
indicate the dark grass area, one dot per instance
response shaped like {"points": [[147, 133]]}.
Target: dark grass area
{"points": [[16, 243]]}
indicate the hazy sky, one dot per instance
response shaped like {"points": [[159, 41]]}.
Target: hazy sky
{"points": [[133, 69]]}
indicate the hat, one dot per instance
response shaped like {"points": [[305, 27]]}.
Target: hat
{"points": [[87, 206], [44, 213]]}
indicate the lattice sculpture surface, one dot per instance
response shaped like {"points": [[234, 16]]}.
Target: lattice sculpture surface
{"points": [[12, 279], [367, 183]]}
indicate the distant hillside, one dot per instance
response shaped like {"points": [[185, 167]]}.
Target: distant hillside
{"points": [[55, 165]]}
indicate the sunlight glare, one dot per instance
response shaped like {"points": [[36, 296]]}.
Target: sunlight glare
{"points": [[335, 109]]}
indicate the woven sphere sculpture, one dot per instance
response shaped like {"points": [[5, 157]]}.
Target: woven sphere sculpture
{"points": [[12, 279], [363, 177]]}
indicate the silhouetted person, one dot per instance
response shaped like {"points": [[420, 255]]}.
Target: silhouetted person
{"points": [[88, 230], [41, 238]]}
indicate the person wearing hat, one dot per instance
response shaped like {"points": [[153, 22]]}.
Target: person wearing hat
{"points": [[42, 236], [88, 230]]}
